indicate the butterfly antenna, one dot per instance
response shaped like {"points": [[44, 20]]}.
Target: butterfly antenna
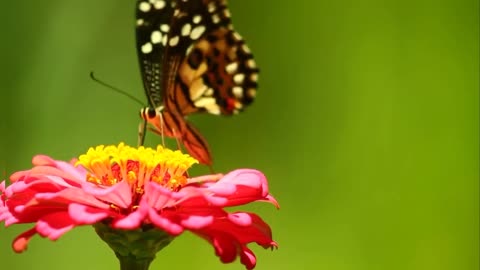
{"points": [[115, 89]]}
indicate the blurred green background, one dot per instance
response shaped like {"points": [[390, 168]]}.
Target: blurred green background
{"points": [[366, 125]]}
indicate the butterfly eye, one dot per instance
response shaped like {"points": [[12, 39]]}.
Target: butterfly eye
{"points": [[151, 113], [148, 113]]}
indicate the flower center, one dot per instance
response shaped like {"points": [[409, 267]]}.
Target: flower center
{"points": [[108, 165]]}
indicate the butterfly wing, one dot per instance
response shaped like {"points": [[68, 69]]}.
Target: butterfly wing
{"points": [[214, 69], [220, 74], [160, 52], [153, 19]]}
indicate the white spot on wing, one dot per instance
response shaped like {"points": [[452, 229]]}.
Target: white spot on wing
{"points": [[251, 92], [164, 40], [226, 13], [197, 19], [251, 63], [189, 49], [237, 36], [231, 68], [215, 18], [147, 48], [197, 89], [197, 32], [237, 92], [159, 4], [204, 102], [238, 105], [246, 49], [239, 78], [140, 21], [186, 29], [173, 41], [213, 109], [156, 37], [209, 92], [164, 28], [144, 6], [212, 7]]}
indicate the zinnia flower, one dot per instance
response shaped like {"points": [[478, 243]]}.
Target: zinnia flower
{"points": [[138, 200]]}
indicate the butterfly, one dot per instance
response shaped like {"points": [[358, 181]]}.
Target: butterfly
{"points": [[191, 61]]}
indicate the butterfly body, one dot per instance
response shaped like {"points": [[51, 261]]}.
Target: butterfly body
{"points": [[192, 61], [170, 124]]}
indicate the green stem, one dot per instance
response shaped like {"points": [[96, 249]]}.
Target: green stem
{"points": [[132, 263], [135, 249]]}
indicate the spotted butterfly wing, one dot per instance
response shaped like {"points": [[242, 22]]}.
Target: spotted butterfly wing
{"points": [[191, 61]]}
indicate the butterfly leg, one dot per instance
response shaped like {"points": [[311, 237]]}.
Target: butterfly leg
{"points": [[142, 128], [177, 139], [162, 124]]}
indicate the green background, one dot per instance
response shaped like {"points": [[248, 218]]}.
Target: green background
{"points": [[365, 123]]}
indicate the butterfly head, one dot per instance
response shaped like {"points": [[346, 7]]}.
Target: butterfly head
{"points": [[149, 113]]}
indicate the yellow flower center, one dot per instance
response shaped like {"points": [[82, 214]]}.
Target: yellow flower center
{"points": [[108, 165]]}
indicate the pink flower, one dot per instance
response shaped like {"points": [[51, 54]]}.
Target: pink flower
{"points": [[131, 188]]}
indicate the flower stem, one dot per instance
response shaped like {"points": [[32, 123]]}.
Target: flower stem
{"points": [[135, 249], [132, 263]]}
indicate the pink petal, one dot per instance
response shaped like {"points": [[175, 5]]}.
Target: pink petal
{"points": [[3, 197], [164, 223], [67, 178], [77, 172], [119, 194], [240, 219], [131, 221], [247, 178], [197, 222], [241, 187], [225, 247], [68, 196], [28, 215], [229, 236], [54, 225], [205, 178], [254, 231], [20, 243], [247, 258], [134, 219], [43, 160], [42, 184], [18, 175], [198, 197], [83, 214], [159, 197]]}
